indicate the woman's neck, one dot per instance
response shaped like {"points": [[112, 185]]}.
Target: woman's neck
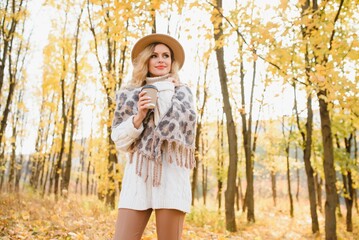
{"points": [[150, 80]]}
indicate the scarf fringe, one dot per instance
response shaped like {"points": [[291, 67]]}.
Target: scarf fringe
{"points": [[183, 156]]}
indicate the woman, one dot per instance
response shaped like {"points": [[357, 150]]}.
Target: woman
{"points": [[160, 141]]}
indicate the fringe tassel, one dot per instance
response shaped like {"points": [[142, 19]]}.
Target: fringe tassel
{"points": [[157, 174], [141, 159], [137, 162], [180, 155], [193, 159], [188, 158], [132, 156], [147, 170], [169, 152], [183, 156], [176, 151], [139, 165]]}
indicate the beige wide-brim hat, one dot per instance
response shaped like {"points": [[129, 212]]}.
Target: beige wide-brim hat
{"points": [[171, 42]]}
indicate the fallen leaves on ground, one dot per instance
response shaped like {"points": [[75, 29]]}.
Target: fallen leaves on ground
{"points": [[30, 216]]}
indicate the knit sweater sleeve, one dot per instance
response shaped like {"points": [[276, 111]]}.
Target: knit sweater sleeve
{"points": [[125, 134]]}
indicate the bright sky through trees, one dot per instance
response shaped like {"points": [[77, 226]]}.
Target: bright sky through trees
{"points": [[193, 29]]}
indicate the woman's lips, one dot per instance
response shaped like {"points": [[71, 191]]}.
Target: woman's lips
{"points": [[161, 67]]}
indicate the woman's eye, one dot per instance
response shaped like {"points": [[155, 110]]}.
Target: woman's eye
{"points": [[166, 56], [153, 56]]}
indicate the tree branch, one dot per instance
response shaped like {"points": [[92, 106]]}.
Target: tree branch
{"points": [[254, 51]]}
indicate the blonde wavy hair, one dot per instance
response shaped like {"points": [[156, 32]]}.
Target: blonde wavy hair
{"points": [[140, 67]]}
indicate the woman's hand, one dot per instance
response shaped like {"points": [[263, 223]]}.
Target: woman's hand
{"points": [[143, 100]]}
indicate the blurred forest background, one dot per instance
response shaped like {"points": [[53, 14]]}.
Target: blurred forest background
{"points": [[277, 94]]}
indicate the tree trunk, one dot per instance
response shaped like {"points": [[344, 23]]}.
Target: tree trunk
{"points": [[112, 156], [51, 164], [355, 196], [289, 184], [298, 174], [247, 135], [6, 111], [82, 162], [112, 160], [348, 185], [231, 128], [322, 58], [318, 188], [42, 171], [220, 161], [339, 210], [81, 179], [27, 169], [356, 200], [287, 151], [14, 164], [274, 187], [348, 197], [204, 183], [88, 178], [12, 158], [308, 132], [18, 173], [47, 159], [2, 177], [195, 170], [318, 184], [240, 193], [93, 183], [200, 109], [153, 18], [7, 37], [8, 34], [204, 167], [11, 42], [67, 173], [77, 181], [64, 120], [2, 166], [219, 194], [329, 171]]}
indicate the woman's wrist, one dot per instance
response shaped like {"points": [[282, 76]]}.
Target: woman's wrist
{"points": [[137, 121]]}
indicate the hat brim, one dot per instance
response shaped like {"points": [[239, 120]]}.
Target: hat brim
{"points": [[171, 42]]}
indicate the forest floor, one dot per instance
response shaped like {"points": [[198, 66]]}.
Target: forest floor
{"points": [[29, 216]]}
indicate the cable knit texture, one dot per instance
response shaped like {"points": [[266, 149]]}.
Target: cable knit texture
{"points": [[164, 149]]}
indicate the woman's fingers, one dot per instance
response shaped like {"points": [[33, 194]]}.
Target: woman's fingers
{"points": [[143, 100], [142, 104]]}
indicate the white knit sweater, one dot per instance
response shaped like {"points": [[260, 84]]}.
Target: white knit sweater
{"points": [[174, 192]]}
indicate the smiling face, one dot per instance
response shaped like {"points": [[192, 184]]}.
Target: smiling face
{"points": [[160, 62]]}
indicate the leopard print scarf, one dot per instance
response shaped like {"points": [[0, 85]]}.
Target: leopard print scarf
{"points": [[174, 133]]}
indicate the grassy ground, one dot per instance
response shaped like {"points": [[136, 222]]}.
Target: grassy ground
{"points": [[28, 216]]}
